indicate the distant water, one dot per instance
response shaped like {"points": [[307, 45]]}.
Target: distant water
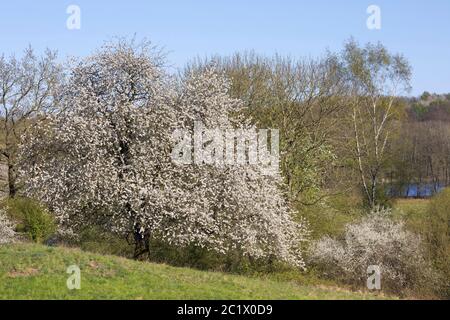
{"points": [[416, 190]]}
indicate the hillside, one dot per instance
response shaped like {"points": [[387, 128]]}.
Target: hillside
{"points": [[38, 272]]}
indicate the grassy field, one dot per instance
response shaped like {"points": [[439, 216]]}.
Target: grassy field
{"points": [[414, 212], [30, 271], [412, 206]]}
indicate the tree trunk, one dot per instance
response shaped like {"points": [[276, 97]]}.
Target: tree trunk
{"points": [[141, 242], [11, 180]]}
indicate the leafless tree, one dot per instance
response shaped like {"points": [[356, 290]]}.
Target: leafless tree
{"points": [[27, 87]]}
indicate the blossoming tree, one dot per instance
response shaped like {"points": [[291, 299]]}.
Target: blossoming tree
{"points": [[106, 159]]}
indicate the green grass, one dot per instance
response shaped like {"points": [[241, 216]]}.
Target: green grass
{"points": [[412, 206], [30, 271], [414, 212]]}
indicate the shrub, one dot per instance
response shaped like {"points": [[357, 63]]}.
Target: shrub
{"points": [[33, 219], [331, 215], [437, 236], [96, 239], [7, 233], [375, 240], [193, 256]]}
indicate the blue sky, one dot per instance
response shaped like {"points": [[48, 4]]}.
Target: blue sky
{"points": [[418, 29]]}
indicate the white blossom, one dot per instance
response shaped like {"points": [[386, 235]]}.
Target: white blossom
{"points": [[375, 240], [106, 158], [7, 233]]}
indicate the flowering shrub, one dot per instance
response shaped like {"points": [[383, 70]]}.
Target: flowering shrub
{"points": [[375, 240], [7, 233]]}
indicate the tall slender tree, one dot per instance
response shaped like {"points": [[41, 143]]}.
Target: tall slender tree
{"points": [[376, 78]]}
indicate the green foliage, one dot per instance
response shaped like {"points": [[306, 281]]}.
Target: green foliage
{"points": [[381, 196], [419, 110], [430, 219], [437, 236], [330, 216], [425, 95], [95, 239], [193, 256], [288, 95], [414, 212], [32, 218]]}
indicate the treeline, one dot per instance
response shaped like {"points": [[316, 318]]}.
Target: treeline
{"points": [[338, 114], [344, 125], [420, 164]]}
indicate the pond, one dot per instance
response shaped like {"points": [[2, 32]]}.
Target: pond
{"points": [[417, 190]]}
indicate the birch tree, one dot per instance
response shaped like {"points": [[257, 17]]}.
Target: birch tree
{"points": [[376, 77]]}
